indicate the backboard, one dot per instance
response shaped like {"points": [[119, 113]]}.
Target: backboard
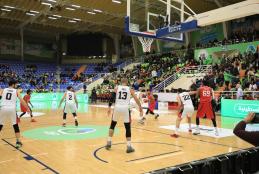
{"points": [[146, 18]]}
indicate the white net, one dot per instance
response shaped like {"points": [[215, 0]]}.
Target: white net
{"points": [[146, 43]]}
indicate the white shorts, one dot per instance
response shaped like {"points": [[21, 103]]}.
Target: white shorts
{"points": [[187, 111], [70, 107], [8, 113], [121, 112]]}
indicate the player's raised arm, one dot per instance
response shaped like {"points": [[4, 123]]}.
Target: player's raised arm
{"points": [[61, 101], [132, 92]]}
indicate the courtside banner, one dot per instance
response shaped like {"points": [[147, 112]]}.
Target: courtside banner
{"points": [[238, 108], [45, 97]]}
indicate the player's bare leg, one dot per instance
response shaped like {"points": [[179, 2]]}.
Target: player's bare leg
{"points": [[111, 132], [64, 119], [189, 119], [32, 118], [130, 149], [17, 135], [197, 131], [215, 126], [177, 126], [75, 117]]}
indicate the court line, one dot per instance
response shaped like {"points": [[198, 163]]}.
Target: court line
{"points": [[28, 156], [137, 159], [102, 160], [190, 138], [5, 161]]}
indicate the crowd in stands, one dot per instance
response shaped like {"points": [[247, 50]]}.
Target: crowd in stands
{"points": [[246, 35]]}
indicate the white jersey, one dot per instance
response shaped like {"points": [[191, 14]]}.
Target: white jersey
{"points": [[70, 97], [186, 99], [123, 96], [9, 98]]}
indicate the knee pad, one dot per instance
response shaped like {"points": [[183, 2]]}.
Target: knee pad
{"points": [[64, 116], [74, 114], [113, 124], [1, 127], [16, 128], [128, 129]]}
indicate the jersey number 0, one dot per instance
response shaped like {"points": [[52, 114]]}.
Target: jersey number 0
{"points": [[8, 96]]}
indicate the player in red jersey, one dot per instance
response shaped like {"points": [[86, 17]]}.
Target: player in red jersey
{"points": [[205, 109], [151, 105], [27, 99]]}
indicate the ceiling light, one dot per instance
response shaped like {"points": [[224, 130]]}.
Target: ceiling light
{"points": [[99, 11], [32, 11], [51, 0], [90, 12], [7, 6], [30, 14], [45, 3], [72, 21], [76, 6], [76, 19], [52, 18], [116, 1], [4, 9], [68, 8], [58, 16]]}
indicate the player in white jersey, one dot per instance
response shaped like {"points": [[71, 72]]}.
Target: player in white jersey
{"points": [[8, 98], [121, 97], [186, 109], [71, 105]]}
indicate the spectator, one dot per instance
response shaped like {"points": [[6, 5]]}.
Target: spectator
{"points": [[250, 137], [239, 92]]}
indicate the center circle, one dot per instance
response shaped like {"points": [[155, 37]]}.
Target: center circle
{"points": [[56, 133]]}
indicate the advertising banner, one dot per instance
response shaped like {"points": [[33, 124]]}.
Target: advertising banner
{"points": [[238, 108]]}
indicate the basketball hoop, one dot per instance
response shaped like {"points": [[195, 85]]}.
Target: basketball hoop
{"points": [[146, 43]]}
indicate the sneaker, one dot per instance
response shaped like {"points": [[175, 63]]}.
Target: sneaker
{"points": [[76, 123], [18, 144], [196, 132], [156, 116], [130, 149], [216, 133], [174, 135], [33, 120], [141, 121], [64, 124], [108, 145]]}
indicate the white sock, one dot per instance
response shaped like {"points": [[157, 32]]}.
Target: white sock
{"points": [[75, 118], [129, 143], [216, 129], [190, 126], [64, 121], [109, 138], [176, 130]]}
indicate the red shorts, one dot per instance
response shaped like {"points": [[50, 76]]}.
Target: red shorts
{"points": [[23, 109], [152, 106], [205, 109]]}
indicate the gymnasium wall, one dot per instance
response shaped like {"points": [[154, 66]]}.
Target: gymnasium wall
{"points": [[36, 47]]}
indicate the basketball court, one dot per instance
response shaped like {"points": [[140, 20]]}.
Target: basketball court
{"points": [[51, 148]]}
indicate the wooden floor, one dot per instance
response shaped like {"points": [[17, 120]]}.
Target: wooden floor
{"points": [[154, 147]]}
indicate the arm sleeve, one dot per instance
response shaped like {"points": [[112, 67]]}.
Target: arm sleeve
{"points": [[250, 137], [112, 99]]}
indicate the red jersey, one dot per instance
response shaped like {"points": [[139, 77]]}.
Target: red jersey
{"points": [[205, 94], [26, 98], [151, 102]]}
